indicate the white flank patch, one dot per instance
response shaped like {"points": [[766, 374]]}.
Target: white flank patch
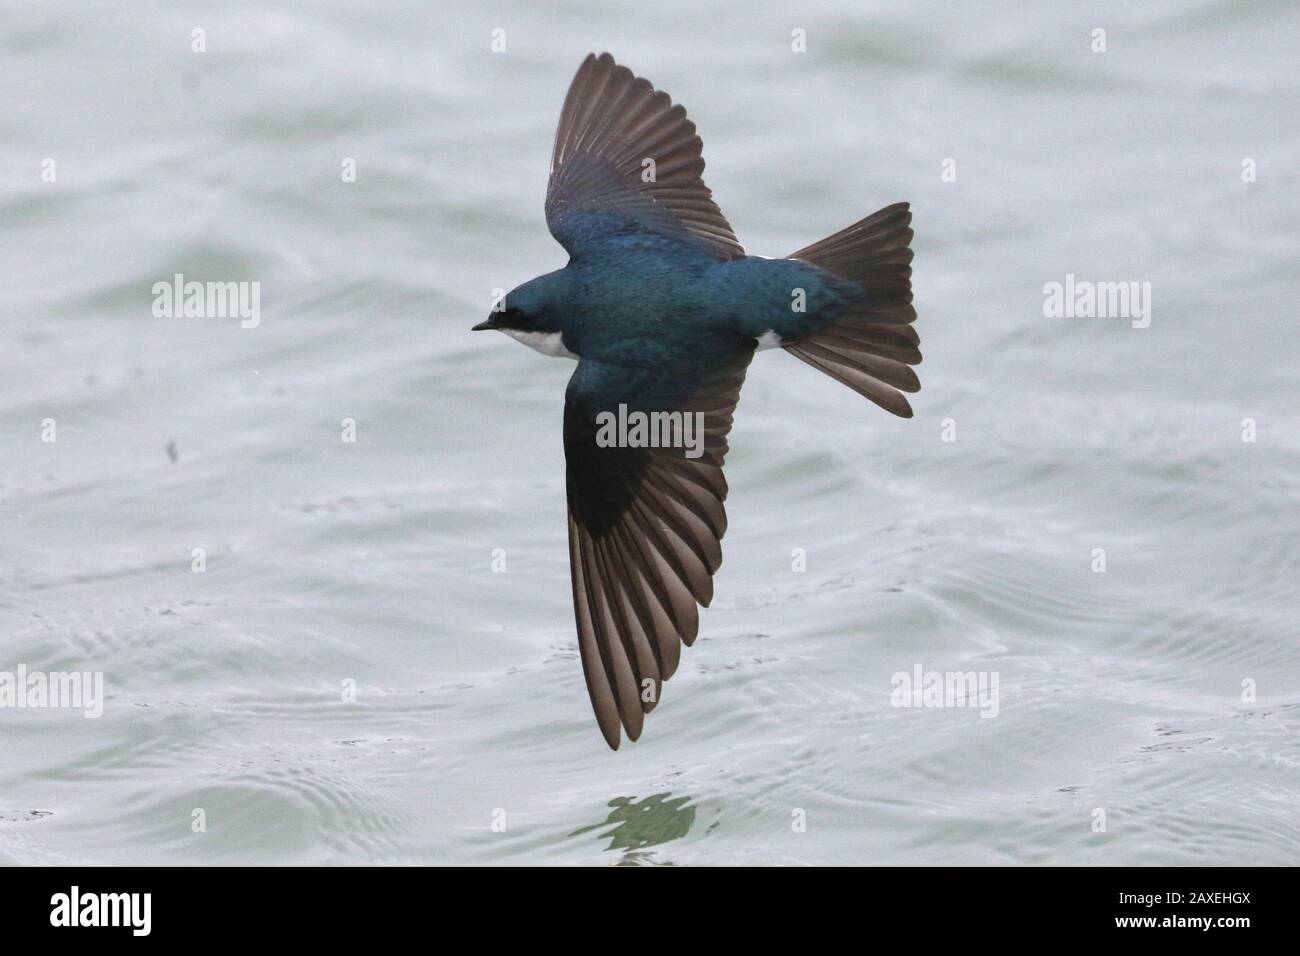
{"points": [[548, 343], [769, 340]]}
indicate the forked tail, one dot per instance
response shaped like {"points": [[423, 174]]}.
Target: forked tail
{"points": [[870, 345]]}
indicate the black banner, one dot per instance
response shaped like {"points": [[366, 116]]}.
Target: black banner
{"points": [[335, 905]]}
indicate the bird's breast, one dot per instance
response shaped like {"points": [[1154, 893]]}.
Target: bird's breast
{"points": [[548, 343]]}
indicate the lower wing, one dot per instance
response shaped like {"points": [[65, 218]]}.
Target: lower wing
{"points": [[645, 522]]}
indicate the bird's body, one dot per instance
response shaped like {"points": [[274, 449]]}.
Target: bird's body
{"points": [[646, 301], [663, 310]]}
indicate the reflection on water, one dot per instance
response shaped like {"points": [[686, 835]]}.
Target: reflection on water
{"points": [[657, 819]]}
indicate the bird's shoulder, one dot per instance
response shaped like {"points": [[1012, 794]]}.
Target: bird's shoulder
{"points": [[604, 240]]}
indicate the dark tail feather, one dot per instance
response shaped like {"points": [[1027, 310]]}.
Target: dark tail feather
{"points": [[870, 347]]}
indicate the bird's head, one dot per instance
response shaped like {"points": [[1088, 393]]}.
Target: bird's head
{"points": [[523, 309]]}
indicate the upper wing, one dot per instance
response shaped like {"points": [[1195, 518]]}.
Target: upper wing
{"points": [[645, 526], [611, 124]]}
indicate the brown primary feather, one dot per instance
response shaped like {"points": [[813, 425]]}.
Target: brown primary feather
{"points": [[611, 122], [638, 586]]}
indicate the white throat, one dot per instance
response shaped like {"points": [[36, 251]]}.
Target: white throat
{"points": [[548, 343]]}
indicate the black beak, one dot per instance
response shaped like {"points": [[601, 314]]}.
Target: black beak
{"points": [[485, 324]]}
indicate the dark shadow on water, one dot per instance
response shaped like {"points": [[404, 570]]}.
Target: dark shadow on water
{"points": [[633, 827]]}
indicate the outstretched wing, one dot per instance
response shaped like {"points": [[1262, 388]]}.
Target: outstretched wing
{"points": [[645, 528], [626, 158]]}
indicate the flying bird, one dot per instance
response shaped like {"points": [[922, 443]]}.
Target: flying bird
{"points": [[663, 311]]}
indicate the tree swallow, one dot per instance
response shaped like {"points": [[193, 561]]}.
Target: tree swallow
{"points": [[663, 311]]}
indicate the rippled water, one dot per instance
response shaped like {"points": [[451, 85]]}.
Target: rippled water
{"points": [[371, 562]]}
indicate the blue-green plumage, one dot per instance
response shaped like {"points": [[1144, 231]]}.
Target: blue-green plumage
{"points": [[640, 299]]}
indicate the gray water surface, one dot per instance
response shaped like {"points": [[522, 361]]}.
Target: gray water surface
{"points": [[1163, 692]]}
